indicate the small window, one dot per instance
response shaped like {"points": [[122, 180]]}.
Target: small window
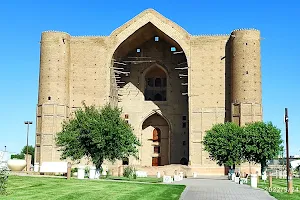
{"points": [[126, 116], [150, 82], [157, 82], [156, 39], [125, 161], [173, 49], [184, 125], [127, 121], [138, 50], [49, 98], [183, 117], [157, 149], [184, 143]]}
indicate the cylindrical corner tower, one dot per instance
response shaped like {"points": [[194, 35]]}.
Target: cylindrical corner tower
{"points": [[53, 97], [54, 68], [246, 92]]}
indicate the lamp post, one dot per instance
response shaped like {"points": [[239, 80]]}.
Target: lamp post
{"points": [[28, 123], [288, 173]]}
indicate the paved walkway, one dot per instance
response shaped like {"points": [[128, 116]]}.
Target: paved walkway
{"points": [[219, 188]]}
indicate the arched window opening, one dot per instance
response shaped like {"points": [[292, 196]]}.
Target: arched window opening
{"points": [[150, 82], [125, 161], [156, 84]]}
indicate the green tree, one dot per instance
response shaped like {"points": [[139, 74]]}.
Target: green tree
{"points": [[98, 134], [23, 152], [30, 152], [262, 142], [223, 143]]}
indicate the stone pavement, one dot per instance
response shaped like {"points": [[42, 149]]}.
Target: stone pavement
{"points": [[219, 188]]}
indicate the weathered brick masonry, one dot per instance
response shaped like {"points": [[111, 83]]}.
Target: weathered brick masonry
{"points": [[179, 85]]}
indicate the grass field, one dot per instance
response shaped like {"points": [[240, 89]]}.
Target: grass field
{"points": [[24, 187], [278, 189], [144, 180]]}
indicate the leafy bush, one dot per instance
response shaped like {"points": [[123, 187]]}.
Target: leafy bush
{"points": [[3, 181], [86, 171], [18, 156], [129, 172], [74, 170]]}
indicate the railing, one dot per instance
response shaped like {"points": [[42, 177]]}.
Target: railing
{"points": [[279, 171]]}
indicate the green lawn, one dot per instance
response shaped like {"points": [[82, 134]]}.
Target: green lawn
{"points": [[21, 187], [145, 180], [279, 187]]}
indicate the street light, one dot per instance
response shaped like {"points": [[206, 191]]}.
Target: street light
{"points": [[288, 173], [28, 123]]}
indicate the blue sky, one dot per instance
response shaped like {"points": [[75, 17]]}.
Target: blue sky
{"points": [[23, 21]]}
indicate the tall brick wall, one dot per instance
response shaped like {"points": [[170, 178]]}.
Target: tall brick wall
{"points": [[207, 91], [88, 71]]}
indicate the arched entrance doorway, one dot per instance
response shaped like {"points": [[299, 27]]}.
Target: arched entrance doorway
{"points": [[155, 141]]}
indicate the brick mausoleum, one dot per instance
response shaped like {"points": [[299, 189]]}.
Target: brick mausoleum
{"points": [[172, 87]]}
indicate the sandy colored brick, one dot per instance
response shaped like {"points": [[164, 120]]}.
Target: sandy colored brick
{"points": [[222, 82]]}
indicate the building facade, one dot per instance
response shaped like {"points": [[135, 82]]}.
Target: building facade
{"points": [[171, 85]]}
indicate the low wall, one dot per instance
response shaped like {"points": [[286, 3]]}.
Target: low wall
{"points": [[212, 170], [171, 170]]}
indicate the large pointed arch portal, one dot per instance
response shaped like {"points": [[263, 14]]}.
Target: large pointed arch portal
{"points": [[149, 71], [145, 48]]}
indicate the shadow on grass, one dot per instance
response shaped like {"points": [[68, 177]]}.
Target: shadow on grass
{"points": [[27, 188]]}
